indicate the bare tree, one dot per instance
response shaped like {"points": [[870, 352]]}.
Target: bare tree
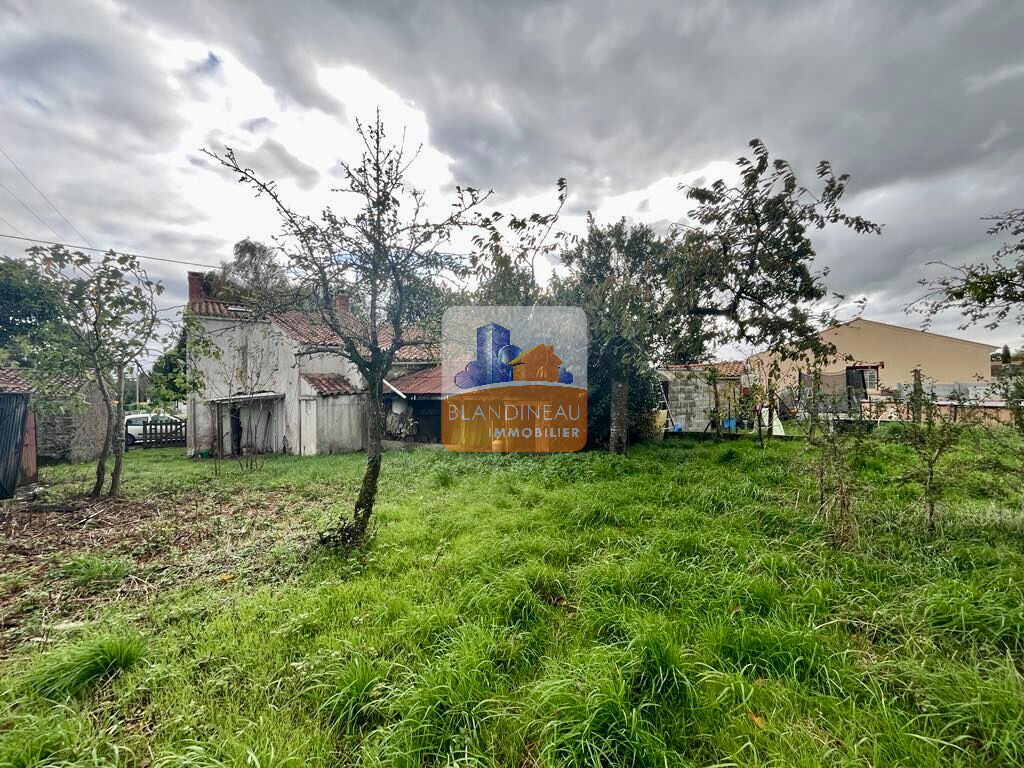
{"points": [[386, 256]]}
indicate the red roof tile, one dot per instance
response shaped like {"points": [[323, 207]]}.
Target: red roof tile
{"points": [[217, 308], [308, 328], [729, 369], [426, 381], [11, 380], [305, 328], [28, 381], [329, 384]]}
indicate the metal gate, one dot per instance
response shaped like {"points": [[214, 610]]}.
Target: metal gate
{"points": [[13, 413]]}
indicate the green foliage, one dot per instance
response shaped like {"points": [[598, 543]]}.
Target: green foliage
{"points": [[747, 261], [170, 376], [642, 403], [94, 570], [984, 292], [104, 324], [28, 302], [77, 669]]}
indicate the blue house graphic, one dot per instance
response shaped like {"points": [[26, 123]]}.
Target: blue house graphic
{"points": [[494, 354]]}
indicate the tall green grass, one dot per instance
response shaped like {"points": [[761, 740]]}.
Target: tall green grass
{"points": [[679, 606]]}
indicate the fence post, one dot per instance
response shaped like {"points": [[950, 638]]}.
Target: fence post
{"points": [[917, 396]]}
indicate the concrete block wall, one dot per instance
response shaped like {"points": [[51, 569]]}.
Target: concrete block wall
{"points": [[690, 399]]}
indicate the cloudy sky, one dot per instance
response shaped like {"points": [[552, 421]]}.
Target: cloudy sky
{"points": [[104, 106]]}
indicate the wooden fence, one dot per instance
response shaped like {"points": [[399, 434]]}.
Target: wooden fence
{"points": [[159, 434]]}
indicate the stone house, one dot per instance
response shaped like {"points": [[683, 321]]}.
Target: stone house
{"points": [[267, 387], [68, 418]]}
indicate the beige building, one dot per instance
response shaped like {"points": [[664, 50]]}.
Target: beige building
{"points": [[886, 356]]}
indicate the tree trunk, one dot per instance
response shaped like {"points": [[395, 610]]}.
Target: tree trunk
{"points": [[118, 439], [771, 412], [618, 432], [917, 396], [368, 489], [101, 462]]}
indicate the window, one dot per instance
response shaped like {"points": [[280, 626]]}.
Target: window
{"points": [[868, 374], [136, 421], [871, 378]]}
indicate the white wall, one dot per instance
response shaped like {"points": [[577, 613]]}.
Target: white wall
{"points": [[248, 359], [272, 364], [341, 424]]}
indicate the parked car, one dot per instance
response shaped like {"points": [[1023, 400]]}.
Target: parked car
{"points": [[134, 423]]}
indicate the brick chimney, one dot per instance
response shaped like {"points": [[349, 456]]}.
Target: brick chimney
{"points": [[195, 286], [341, 304]]}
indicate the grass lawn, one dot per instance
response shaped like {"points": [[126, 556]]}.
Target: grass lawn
{"points": [[681, 606]]}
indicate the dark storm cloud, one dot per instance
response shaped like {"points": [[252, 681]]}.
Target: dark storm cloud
{"points": [[921, 103], [909, 99]]}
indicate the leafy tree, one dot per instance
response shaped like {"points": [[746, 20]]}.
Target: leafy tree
{"points": [[507, 248], [740, 272], [256, 277], [745, 263], [747, 259], [1005, 357], [27, 303], [382, 256], [984, 292], [613, 276], [642, 387], [169, 375], [105, 321]]}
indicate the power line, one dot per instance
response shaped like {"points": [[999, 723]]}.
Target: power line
{"points": [[5, 221], [37, 189], [101, 250], [22, 204]]}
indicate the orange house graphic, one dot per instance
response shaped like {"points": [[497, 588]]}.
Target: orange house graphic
{"points": [[539, 363]]}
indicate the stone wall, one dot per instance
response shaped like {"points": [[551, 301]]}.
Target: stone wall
{"points": [[72, 434], [689, 400]]}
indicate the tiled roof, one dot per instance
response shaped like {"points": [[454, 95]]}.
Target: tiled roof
{"points": [[426, 381], [308, 328], [11, 380], [305, 328], [27, 381], [216, 308], [728, 369], [329, 384]]}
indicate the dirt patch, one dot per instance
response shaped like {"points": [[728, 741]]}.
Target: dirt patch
{"points": [[60, 562]]}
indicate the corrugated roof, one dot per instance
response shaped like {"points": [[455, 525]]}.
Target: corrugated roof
{"points": [[426, 381], [728, 369], [329, 384]]}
